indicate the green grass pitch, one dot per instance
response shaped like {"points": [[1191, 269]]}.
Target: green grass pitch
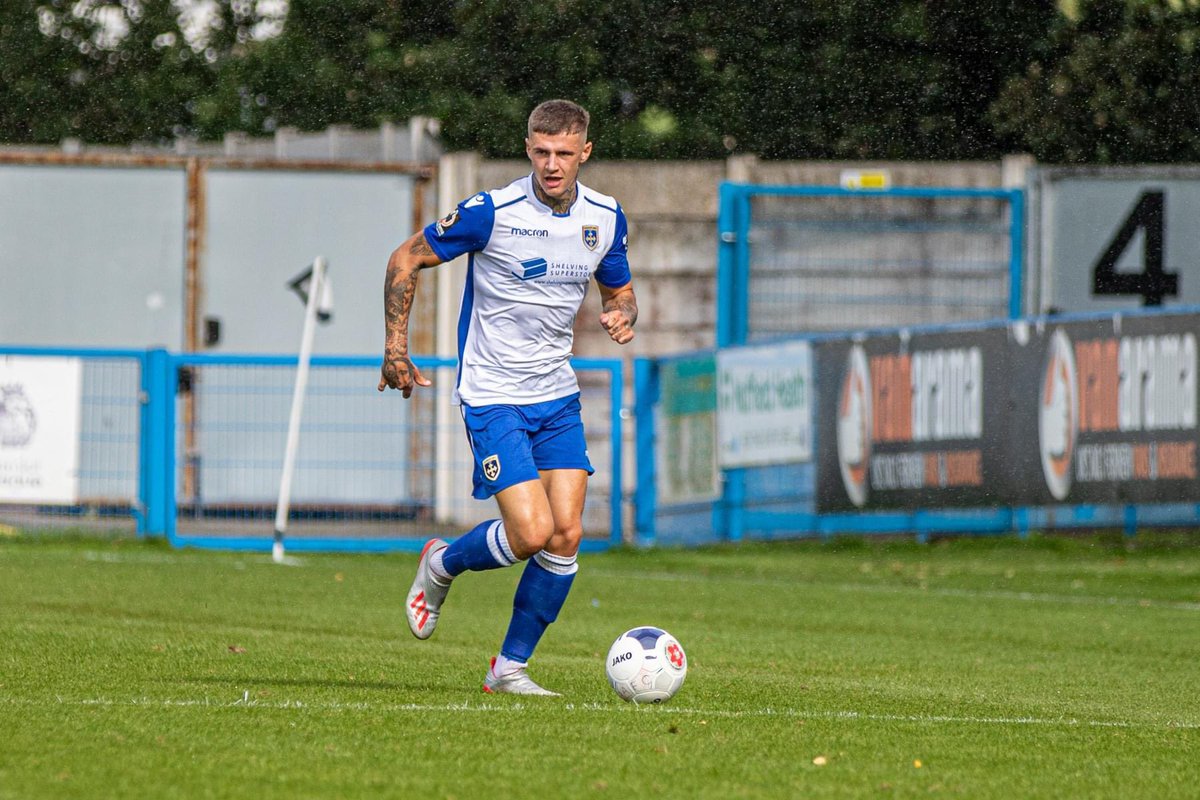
{"points": [[987, 668]]}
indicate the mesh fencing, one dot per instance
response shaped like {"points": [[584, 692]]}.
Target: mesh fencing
{"points": [[108, 453], [369, 465], [825, 263]]}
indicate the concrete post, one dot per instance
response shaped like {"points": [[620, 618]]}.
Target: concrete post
{"points": [[458, 177]]}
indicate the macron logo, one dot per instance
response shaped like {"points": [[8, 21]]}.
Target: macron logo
{"points": [[533, 268], [538, 232]]}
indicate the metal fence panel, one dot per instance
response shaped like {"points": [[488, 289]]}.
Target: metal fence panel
{"points": [[780, 500], [264, 227], [91, 257], [367, 462], [191, 447], [110, 406], [802, 259]]}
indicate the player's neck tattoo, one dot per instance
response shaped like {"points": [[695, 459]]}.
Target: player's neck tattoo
{"points": [[560, 206]]}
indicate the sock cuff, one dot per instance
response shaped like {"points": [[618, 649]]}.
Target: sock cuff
{"points": [[558, 565], [497, 542]]}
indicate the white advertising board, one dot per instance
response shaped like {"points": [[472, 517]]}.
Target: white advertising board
{"points": [[40, 401], [764, 405]]}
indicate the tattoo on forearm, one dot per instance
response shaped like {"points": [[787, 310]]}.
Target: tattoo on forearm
{"points": [[397, 304], [626, 305], [421, 248]]}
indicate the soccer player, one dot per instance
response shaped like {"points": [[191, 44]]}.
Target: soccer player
{"points": [[534, 247]]}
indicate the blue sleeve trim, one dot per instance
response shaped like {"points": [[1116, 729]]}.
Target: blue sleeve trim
{"points": [[509, 203], [613, 270], [466, 229], [606, 208]]}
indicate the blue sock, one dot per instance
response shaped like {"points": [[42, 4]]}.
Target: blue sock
{"points": [[483, 547], [540, 596]]}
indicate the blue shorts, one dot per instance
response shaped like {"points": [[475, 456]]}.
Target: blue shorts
{"points": [[511, 442]]}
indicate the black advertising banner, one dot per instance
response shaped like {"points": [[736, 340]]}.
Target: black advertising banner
{"points": [[912, 421], [1104, 411]]}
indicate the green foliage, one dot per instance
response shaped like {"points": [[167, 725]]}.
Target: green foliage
{"points": [[1113, 81], [1120, 83]]}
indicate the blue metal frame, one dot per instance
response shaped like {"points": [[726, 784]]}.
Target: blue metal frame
{"points": [[730, 518], [155, 506], [164, 369], [645, 494], [733, 248]]}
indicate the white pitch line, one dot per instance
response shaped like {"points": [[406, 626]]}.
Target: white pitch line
{"points": [[245, 701]]}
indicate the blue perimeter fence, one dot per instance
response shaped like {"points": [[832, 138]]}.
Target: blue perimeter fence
{"points": [[137, 462], [780, 501], [793, 260], [190, 447]]}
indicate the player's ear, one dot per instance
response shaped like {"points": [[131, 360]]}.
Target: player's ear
{"points": [[585, 152]]}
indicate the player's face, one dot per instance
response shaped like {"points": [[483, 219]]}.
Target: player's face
{"points": [[556, 159]]}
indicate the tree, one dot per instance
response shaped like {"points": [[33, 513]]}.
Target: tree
{"points": [[112, 72], [1120, 83], [34, 71], [354, 62], [873, 78]]}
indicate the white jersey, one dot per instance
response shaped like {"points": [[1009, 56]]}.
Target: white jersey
{"points": [[528, 273]]}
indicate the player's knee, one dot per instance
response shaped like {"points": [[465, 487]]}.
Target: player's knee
{"points": [[566, 538], [530, 537]]}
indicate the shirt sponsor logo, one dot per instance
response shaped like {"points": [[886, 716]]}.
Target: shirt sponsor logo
{"points": [[544, 271], [539, 233], [533, 268]]}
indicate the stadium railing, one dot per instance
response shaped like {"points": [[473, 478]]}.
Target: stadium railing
{"points": [[800, 259], [108, 458], [704, 503], [190, 447]]}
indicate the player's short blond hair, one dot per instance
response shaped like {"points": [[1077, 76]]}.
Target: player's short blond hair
{"points": [[559, 116]]}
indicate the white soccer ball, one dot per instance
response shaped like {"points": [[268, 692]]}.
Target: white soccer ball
{"points": [[646, 665]]}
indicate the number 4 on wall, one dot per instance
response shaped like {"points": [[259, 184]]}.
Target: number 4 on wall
{"points": [[1152, 284]]}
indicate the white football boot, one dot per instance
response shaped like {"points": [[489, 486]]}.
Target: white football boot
{"points": [[516, 682], [425, 598]]}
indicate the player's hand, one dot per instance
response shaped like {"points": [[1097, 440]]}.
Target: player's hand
{"points": [[619, 328], [399, 372]]}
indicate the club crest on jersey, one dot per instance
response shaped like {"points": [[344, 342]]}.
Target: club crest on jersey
{"points": [[491, 467], [591, 236], [446, 222]]}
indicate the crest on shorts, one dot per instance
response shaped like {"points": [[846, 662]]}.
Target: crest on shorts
{"points": [[591, 236], [491, 467]]}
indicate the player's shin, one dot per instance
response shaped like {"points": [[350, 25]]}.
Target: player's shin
{"points": [[540, 595], [484, 547]]}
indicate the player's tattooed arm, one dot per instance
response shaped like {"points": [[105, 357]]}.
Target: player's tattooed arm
{"points": [[620, 312], [399, 289]]}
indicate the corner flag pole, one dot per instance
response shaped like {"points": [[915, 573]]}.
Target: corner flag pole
{"points": [[316, 293]]}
